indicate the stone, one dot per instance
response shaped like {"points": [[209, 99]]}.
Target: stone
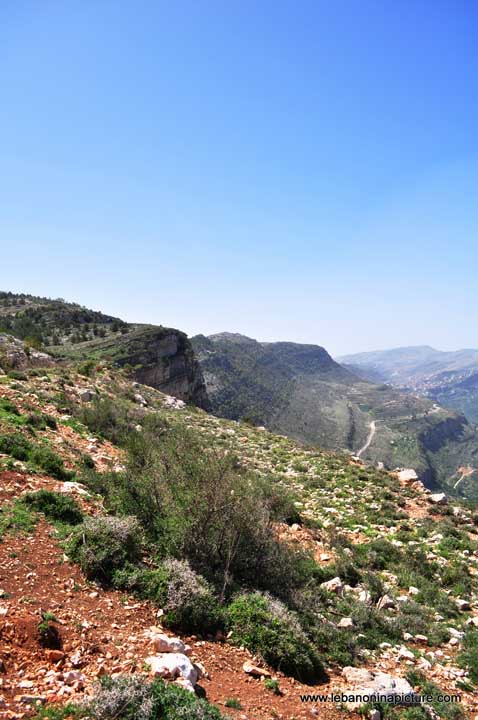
{"points": [[407, 475], [405, 653], [355, 675], [374, 714], [438, 498], [164, 644], [73, 676], [172, 666], [386, 602], [412, 590], [54, 655], [87, 394], [463, 605], [346, 622], [69, 487], [255, 670], [335, 585]]}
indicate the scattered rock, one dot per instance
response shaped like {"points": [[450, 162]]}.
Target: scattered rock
{"points": [[255, 670]]}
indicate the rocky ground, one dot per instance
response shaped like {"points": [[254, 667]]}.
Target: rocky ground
{"points": [[106, 632]]}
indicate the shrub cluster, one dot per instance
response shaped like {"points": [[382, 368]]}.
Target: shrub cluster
{"points": [[266, 626], [104, 545], [134, 698], [20, 448]]}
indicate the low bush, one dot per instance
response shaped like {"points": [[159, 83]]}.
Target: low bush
{"points": [[15, 445], [104, 545], [40, 456], [468, 657], [187, 598], [266, 627], [55, 506], [134, 698]]}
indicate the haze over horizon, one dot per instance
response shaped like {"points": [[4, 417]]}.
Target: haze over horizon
{"points": [[306, 174]]}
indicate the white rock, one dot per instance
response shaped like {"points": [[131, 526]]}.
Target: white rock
{"points": [[438, 498], [386, 602], [172, 666], [164, 644], [335, 585], [345, 622]]}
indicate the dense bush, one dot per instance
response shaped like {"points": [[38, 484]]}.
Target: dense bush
{"points": [[55, 506], [106, 418], [468, 657], [266, 627], [41, 456], [197, 504], [15, 445], [104, 545], [134, 698], [186, 598]]}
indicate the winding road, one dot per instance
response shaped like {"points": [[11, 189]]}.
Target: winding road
{"points": [[373, 430]]}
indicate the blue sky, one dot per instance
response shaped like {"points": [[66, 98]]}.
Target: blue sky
{"points": [[290, 170]]}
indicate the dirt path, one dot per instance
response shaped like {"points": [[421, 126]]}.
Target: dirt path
{"points": [[373, 430]]}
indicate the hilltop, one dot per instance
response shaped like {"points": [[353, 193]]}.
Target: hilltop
{"points": [[374, 574]]}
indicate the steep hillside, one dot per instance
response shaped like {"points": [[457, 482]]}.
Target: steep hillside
{"points": [[288, 560], [300, 391], [159, 356], [449, 378]]}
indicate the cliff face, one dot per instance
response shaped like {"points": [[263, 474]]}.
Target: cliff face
{"points": [[158, 356], [164, 359]]}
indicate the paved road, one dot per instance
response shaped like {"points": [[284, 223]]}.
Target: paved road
{"points": [[373, 430]]}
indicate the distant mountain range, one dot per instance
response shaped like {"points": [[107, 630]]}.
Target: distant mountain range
{"points": [[300, 391], [449, 378]]}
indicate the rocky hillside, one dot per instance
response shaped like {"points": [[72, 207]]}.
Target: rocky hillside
{"points": [[449, 378], [299, 390], [159, 356], [273, 572]]}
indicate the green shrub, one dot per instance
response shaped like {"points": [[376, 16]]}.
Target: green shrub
{"points": [[15, 445], [8, 406], [106, 418], [55, 506], [198, 504], [51, 463], [17, 375], [468, 657], [187, 599], [104, 545], [266, 627], [134, 698]]}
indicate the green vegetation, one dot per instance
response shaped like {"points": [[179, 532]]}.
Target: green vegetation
{"points": [[39, 457], [268, 628], [134, 698], [104, 545], [55, 506]]}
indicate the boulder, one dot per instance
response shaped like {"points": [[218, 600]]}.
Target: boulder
{"points": [[164, 644], [386, 602], [335, 585], [172, 666], [438, 498], [346, 622], [255, 670]]}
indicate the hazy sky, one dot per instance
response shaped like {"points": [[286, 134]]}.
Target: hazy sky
{"points": [[302, 170]]}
